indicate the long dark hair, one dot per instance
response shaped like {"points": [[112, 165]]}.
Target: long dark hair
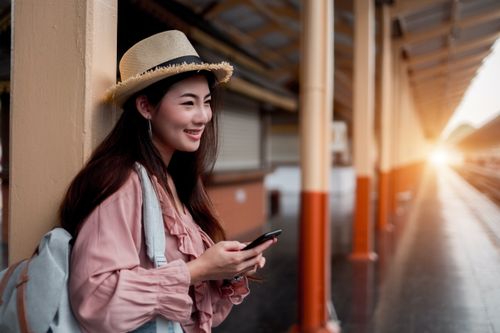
{"points": [[111, 163]]}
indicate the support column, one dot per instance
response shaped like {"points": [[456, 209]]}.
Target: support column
{"points": [[316, 115], [5, 133], [396, 110], [386, 122], [363, 127], [64, 56]]}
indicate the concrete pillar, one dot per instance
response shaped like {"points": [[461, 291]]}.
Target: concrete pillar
{"points": [[363, 126], [316, 115], [386, 121], [64, 58], [395, 137], [4, 137]]}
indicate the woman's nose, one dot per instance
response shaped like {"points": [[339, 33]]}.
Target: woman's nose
{"points": [[203, 114]]}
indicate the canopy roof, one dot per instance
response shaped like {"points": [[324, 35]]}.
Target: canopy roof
{"points": [[442, 43]]}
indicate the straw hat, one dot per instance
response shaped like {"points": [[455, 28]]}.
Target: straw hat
{"points": [[157, 57]]}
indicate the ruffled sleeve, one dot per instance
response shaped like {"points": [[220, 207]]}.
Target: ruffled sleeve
{"points": [[212, 301], [228, 295], [109, 289]]}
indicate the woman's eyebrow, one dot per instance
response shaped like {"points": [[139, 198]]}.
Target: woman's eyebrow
{"points": [[195, 96]]}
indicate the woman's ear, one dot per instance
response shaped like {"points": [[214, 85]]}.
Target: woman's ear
{"points": [[142, 105]]}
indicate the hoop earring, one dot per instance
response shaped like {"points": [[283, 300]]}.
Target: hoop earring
{"points": [[150, 130]]}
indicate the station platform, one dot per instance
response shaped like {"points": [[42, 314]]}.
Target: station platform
{"points": [[438, 269]]}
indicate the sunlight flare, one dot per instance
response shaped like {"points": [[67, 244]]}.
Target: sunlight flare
{"points": [[439, 157]]}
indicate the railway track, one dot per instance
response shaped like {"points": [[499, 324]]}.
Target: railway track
{"points": [[486, 180]]}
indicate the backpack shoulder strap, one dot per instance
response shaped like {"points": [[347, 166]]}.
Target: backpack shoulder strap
{"points": [[152, 218], [21, 300], [154, 233], [6, 277]]}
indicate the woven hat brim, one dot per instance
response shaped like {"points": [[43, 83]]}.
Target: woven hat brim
{"points": [[120, 92]]}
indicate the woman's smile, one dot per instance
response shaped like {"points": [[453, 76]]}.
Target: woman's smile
{"points": [[194, 134]]}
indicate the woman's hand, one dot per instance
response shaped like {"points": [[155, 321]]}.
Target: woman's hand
{"points": [[260, 265], [225, 260]]}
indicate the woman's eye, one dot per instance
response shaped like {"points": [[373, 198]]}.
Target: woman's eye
{"points": [[188, 103], [208, 102]]}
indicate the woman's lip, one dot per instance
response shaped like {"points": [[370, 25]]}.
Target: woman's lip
{"points": [[194, 131], [195, 134]]}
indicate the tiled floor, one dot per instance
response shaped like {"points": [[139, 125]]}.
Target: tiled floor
{"points": [[272, 306], [438, 270]]}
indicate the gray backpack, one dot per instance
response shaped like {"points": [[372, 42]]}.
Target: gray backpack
{"points": [[34, 292]]}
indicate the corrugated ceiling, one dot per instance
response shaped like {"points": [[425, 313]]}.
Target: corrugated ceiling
{"points": [[443, 43]]}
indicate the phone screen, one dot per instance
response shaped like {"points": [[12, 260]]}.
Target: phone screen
{"points": [[262, 238]]}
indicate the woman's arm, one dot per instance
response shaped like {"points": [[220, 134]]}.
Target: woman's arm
{"points": [[109, 290], [225, 260], [221, 263]]}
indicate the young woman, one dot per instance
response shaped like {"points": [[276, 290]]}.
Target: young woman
{"points": [[168, 125]]}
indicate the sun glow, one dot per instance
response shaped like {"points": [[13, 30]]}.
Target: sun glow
{"points": [[441, 156]]}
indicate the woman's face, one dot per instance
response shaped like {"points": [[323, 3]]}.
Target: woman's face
{"points": [[179, 121]]}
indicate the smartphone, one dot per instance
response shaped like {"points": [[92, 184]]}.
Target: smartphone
{"points": [[262, 238]]}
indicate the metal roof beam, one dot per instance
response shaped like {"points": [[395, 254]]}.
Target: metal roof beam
{"points": [[446, 28], [219, 8], [261, 94], [440, 90], [287, 11], [405, 7], [445, 103], [262, 30], [464, 59], [452, 66], [342, 27], [343, 78], [343, 97], [290, 47], [444, 96], [429, 80], [159, 11], [488, 39], [440, 94], [269, 13], [343, 5], [344, 63]]}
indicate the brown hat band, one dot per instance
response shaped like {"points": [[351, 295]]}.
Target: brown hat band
{"points": [[177, 61]]}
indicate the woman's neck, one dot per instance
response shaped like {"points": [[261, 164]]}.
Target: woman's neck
{"points": [[179, 207], [165, 152]]}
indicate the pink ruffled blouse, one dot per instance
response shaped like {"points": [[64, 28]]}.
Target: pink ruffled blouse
{"points": [[115, 288]]}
